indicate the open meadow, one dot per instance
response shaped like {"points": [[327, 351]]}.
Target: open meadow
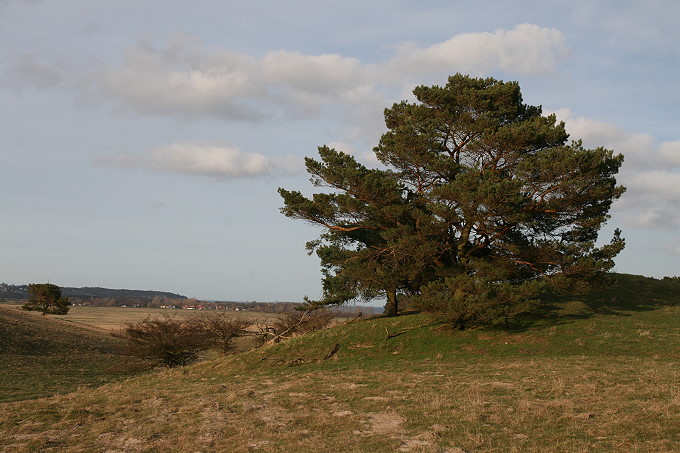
{"points": [[596, 373], [112, 318]]}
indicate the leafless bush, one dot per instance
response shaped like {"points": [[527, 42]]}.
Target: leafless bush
{"points": [[171, 341], [221, 330]]}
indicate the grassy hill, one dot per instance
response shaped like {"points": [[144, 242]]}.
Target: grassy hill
{"points": [[43, 355], [596, 373]]}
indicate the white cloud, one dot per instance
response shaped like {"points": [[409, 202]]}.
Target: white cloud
{"points": [[343, 147], [639, 149], [366, 157], [526, 49], [651, 171], [310, 81], [659, 183], [185, 78], [670, 152], [220, 161], [210, 160], [30, 71], [182, 79], [652, 199]]}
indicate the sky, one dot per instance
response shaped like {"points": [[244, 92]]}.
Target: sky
{"points": [[142, 141]]}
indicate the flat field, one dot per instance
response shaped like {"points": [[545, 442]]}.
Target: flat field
{"points": [[112, 318]]}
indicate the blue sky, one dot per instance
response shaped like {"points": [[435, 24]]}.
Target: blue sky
{"points": [[142, 142]]}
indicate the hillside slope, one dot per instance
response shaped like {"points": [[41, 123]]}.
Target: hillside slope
{"points": [[43, 355], [596, 373]]}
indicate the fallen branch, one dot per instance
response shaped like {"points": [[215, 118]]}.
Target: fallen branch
{"points": [[300, 361], [357, 317], [332, 353], [303, 319], [389, 335]]}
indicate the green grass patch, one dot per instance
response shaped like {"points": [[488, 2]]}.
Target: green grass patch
{"points": [[41, 356]]}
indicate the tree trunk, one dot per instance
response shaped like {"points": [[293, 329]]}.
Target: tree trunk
{"points": [[391, 307]]}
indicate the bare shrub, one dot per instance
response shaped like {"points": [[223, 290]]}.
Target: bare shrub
{"points": [[221, 330], [164, 339], [171, 341]]}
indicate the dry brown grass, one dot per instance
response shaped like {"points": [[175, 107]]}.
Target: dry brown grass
{"points": [[515, 406], [111, 318]]}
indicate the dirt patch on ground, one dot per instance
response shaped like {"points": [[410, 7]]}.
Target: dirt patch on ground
{"points": [[385, 423]]}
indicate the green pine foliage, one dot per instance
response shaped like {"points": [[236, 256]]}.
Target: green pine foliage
{"points": [[47, 299], [483, 203]]}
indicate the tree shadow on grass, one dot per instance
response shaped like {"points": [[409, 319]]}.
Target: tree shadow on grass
{"points": [[623, 295]]}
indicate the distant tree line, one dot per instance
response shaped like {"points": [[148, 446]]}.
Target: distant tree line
{"points": [[103, 296], [186, 303], [13, 292]]}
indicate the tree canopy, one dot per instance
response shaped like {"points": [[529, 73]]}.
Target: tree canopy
{"points": [[481, 203], [46, 298]]}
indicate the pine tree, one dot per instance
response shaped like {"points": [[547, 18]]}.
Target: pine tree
{"points": [[482, 203], [46, 298]]}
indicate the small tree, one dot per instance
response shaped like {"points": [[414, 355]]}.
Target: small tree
{"points": [[46, 298]]}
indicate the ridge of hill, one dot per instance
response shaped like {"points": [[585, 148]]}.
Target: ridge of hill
{"points": [[20, 292], [597, 372]]}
